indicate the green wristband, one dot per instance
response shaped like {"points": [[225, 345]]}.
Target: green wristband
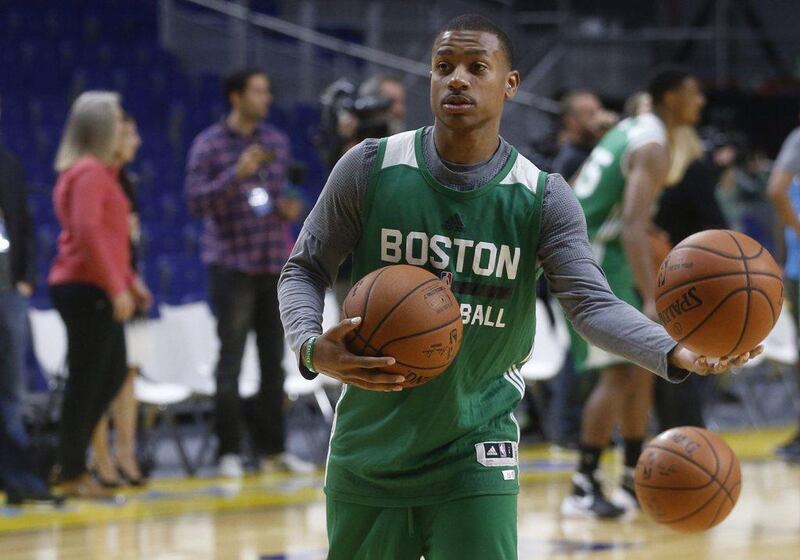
{"points": [[307, 354]]}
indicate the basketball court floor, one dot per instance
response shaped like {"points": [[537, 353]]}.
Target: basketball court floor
{"points": [[274, 516]]}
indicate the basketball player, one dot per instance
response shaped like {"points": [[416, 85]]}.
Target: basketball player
{"points": [[617, 189], [434, 470]]}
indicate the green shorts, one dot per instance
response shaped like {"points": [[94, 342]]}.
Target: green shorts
{"points": [[620, 278], [479, 527]]}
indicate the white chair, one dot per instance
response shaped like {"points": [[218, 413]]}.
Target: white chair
{"points": [[158, 394], [193, 330], [780, 349], [550, 345], [49, 336], [160, 383], [159, 389], [191, 345], [296, 385], [250, 376], [330, 318], [781, 344]]}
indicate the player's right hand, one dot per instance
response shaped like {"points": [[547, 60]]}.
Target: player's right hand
{"points": [[250, 160], [331, 357]]}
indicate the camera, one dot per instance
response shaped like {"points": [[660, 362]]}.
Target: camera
{"points": [[348, 118]]}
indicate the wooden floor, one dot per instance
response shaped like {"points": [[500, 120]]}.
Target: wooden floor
{"points": [[271, 517]]}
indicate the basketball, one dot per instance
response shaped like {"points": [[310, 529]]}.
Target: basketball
{"points": [[409, 314], [688, 479], [719, 293]]}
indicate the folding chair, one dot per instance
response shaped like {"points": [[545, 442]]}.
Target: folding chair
{"points": [[192, 328], [49, 336], [296, 385], [189, 353], [191, 331], [780, 351], [550, 345], [162, 398]]}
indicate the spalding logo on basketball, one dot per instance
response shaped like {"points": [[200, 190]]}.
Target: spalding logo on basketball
{"points": [[719, 293]]}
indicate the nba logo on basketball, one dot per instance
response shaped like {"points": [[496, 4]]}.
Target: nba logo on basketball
{"points": [[447, 277]]}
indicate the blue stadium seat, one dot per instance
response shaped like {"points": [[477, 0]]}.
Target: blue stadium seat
{"points": [[51, 50]]}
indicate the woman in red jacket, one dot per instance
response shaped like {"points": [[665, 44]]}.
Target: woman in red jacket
{"points": [[121, 467], [92, 284]]}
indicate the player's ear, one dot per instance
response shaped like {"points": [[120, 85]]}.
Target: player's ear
{"points": [[512, 84]]}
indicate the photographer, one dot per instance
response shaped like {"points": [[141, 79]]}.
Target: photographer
{"points": [[378, 110], [236, 182], [391, 89], [375, 110]]}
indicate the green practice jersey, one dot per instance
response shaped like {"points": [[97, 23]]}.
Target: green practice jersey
{"points": [[456, 435], [600, 186]]}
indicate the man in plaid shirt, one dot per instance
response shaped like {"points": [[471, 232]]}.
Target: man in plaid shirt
{"points": [[236, 182]]}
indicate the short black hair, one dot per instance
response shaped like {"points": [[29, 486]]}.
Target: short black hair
{"points": [[477, 22], [665, 79], [237, 81]]}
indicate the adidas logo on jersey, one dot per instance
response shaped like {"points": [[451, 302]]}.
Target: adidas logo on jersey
{"points": [[454, 224]]}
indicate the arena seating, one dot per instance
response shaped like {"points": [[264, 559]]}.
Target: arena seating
{"points": [[50, 51]]}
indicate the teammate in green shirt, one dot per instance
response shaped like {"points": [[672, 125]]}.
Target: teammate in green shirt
{"points": [[433, 470], [617, 188]]}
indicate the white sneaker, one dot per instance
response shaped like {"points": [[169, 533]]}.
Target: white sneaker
{"points": [[587, 500], [287, 462], [624, 495], [230, 466], [622, 498]]}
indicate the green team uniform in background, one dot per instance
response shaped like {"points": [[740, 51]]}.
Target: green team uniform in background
{"points": [[600, 188], [408, 454]]}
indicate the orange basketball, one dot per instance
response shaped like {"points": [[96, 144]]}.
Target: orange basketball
{"points": [[688, 479], [409, 314], [719, 293]]}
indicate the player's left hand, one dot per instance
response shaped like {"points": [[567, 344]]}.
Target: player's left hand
{"points": [[684, 358]]}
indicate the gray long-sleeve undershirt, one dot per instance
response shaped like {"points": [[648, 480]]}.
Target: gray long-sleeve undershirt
{"points": [[333, 229]]}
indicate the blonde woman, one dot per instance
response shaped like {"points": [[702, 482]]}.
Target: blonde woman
{"points": [[92, 283], [123, 468], [687, 205]]}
